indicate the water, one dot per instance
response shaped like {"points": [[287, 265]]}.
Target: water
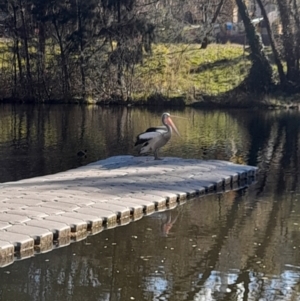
{"points": [[240, 245]]}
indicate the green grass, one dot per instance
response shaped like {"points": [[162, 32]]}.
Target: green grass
{"points": [[187, 70]]}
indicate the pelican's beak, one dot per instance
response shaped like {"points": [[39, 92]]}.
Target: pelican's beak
{"points": [[171, 123]]}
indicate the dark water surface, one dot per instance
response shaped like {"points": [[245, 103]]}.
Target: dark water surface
{"points": [[240, 245]]}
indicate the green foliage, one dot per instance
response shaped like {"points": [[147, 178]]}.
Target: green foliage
{"points": [[59, 44]]}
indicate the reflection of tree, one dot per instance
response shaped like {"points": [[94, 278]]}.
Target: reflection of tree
{"points": [[209, 260], [46, 139], [274, 149], [277, 157]]}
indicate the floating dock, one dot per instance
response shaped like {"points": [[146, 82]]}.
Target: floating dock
{"points": [[43, 213]]}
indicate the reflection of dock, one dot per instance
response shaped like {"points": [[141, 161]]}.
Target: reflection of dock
{"points": [[41, 213]]}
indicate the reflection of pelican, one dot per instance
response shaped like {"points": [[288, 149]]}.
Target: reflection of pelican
{"points": [[156, 137], [168, 224]]}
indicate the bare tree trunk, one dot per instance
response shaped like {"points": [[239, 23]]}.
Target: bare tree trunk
{"points": [[297, 32], [64, 66], [277, 60], [42, 58], [42, 46], [81, 49], [260, 75], [120, 73], [26, 50], [18, 64], [15, 76], [213, 21], [288, 39]]}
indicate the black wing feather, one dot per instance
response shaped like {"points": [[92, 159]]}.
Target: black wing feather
{"points": [[141, 141]]}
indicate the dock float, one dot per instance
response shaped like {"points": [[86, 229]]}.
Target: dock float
{"points": [[43, 213]]}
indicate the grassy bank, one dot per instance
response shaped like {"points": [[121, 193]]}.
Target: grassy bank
{"points": [[178, 74], [187, 71], [174, 74]]}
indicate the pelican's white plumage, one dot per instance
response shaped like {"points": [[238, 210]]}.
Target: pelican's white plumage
{"points": [[156, 137]]}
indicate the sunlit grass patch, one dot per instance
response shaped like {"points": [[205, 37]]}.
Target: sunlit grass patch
{"points": [[179, 69]]}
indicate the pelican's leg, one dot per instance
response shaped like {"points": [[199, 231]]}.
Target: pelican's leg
{"points": [[156, 155]]}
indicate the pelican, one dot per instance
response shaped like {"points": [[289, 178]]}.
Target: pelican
{"points": [[156, 137]]}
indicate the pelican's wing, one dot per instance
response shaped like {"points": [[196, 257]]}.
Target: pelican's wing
{"points": [[149, 134]]}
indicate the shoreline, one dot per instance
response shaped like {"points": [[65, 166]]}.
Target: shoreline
{"points": [[230, 100]]}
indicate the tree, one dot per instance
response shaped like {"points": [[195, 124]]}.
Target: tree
{"points": [[288, 37], [260, 76], [214, 19], [39, 14], [276, 55], [131, 31]]}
